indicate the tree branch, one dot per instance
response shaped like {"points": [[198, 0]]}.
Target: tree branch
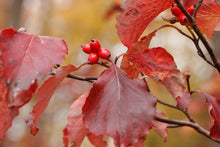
{"points": [[195, 126], [87, 79]]}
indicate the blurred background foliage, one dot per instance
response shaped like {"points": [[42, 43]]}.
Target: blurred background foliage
{"points": [[79, 21]]}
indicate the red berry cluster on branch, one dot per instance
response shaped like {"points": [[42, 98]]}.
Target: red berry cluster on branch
{"points": [[95, 51], [178, 13]]}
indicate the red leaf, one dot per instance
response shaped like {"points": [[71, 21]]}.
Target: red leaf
{"points": [[97, 141], [137, 48], [7, 114], [119, 107], [208, 17], [75, 131], [214, 110], [161, 128], [174, 83], [184, 101], [136, 16], [157, 63], [25, 58], [44, 94]]}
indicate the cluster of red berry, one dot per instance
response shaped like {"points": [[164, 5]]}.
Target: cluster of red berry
{"points": [[95, 51], [178, 13]]}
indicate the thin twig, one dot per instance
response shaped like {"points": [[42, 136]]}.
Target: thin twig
{"points": [[197, 8], [146, 83], [87, 79], [195, 126], [174, 107], [200, 35]]}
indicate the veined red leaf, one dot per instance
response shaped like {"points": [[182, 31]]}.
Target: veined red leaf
{"points": [[157, 63], [214, 110], [208, 16], [119, 107], [25, 58], [44, 94], [161, 128], [75, 131], [137, 48], [136, 16]]}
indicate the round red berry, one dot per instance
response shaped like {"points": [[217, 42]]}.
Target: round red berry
{"points": [[93, 58], [183, 19], [95, 45], [190, 9], [104, 53], [86, 48], [175, 10]]}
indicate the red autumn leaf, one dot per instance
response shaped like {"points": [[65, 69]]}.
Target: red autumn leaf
{"points": [[161, 128], [214, 110], [25, 58], [7, 114], [208, 16], [157, 63], [75, 131], [119, 107], [97, 141], [174, 83], [44, 94], [137, 48], [136, 16]]}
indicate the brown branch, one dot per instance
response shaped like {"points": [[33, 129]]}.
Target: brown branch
{"points": [[195, 126], [200, 35], [197, 8], [87, 79]]}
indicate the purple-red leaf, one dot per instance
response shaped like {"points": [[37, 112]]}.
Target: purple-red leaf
{"points": [[25, 58], [119, 107], [161, 128], [75, 131], [136, 16], [44, 94], [214, 110]]}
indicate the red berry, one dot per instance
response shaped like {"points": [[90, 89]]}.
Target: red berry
{"points": [[176, 10], [190, 9], [183, 19], [86, 48], [104, 53], [93, 58], [95, 45]]}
